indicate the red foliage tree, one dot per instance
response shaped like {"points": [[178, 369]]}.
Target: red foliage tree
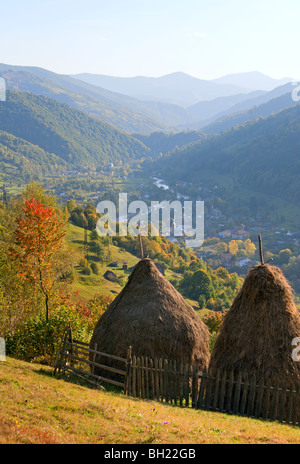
{"points": [[38, 238]]}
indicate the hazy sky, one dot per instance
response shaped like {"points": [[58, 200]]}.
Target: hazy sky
{"points": [[204, 38]]}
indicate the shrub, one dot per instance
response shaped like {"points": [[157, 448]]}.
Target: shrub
{"points": [[95, 268], [38, 340]]}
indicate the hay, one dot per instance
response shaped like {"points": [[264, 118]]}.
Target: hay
{"points": [[152, 317], [257, 332]]}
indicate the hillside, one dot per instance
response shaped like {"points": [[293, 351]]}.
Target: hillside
{"points": [[262, 155], [126, 113], [265, 109], [160, 142], [37, 408], [68, 133], [207, 110], [113, 103], [22, 160]]}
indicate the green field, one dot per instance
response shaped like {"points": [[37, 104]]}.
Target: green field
{"points": [[37, 408]]}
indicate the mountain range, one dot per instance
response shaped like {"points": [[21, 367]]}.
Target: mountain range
{"points": [[261, 155], [39, 135], [134, 115], [182, 89], [51, 123]]}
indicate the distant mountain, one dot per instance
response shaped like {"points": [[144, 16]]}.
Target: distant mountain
{"points": [[265, 109], [176, 88], [232, 114], [261, 155], [206, 110], [71, 135], [160, 142], [252, 81], [121, 111]]}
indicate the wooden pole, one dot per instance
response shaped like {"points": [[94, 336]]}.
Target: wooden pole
{"points": [[260, 250], [141, 243]]}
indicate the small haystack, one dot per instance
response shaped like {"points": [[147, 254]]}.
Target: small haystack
{"points": [[258, 330], [110, 275], [152, 317]]}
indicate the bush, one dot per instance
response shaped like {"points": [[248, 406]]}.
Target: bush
{"points": [[95, 268], [38, 340], [86, 270]]}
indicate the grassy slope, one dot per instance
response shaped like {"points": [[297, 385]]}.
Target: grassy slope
{"points": [[38, 408], [88, 286]]}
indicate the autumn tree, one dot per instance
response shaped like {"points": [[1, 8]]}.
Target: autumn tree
{"points": [[38, 238]]}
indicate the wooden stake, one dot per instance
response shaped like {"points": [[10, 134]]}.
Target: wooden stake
{"points": [[141, 243], [260, 250]]}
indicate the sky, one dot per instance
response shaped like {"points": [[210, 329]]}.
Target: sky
{"points": [[204, 38]]}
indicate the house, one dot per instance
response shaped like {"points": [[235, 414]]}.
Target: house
{"points": [[225, 234], [243, 262], [239, 235]]}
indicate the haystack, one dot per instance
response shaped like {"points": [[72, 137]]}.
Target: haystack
{"points": [[258, 330], [152, 317]]}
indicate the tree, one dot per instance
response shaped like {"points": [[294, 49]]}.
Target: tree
{"points": [[284, 256], [249, 247], [233, 247], [37, 241], [221, 247], [199, 283]]}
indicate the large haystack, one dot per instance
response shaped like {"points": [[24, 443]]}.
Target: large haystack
{"points": [[152, 317], [258, 330]]}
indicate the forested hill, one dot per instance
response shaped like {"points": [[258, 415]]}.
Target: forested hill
{"points": [[262, 155], [23, 160], [265, 109], [70, 134]]}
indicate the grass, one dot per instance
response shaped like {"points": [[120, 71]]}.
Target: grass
{"points": [[88, 286], [37, 408]]}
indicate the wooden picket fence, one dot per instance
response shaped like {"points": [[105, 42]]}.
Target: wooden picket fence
{"points": [[186, 386], [181, 384], [79, 359]]}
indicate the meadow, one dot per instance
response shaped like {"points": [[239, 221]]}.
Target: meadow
{"points": [[38, 408]]}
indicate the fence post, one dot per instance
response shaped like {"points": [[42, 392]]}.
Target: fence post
{"points": [[296, 415], [274, 402], [282, 404], [194, 384], [266, 402], [250, 408], [94, 359], [216, 391], [258, 406], [229, 392], [127, 382], [175, 381], [244, 394], [290, 403], [166, 382], [62, 343], [147, 377], [200, 401], [237, 393], [222, 391]]}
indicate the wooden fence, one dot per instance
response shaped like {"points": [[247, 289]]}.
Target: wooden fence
{"points": [[181, 384], [77, 358]]}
